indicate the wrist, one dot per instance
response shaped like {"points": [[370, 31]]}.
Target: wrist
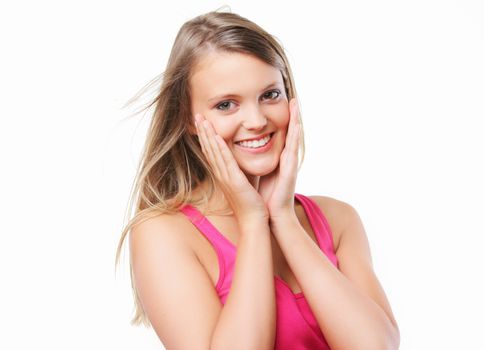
{"points": [[254, 222], [284, 220]]}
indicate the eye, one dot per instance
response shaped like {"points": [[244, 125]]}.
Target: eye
{"points": [[271, 93], [224, 105]]}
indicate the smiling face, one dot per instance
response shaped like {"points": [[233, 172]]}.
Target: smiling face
{"points": [[244, 98]]}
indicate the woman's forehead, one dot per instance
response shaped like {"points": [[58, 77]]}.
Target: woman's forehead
{"points": [[232, 73]]}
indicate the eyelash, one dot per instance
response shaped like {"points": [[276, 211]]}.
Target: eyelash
{"points": [[268, 92]]}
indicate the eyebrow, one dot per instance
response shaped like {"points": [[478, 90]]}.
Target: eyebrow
{"points": [[235, 95]]}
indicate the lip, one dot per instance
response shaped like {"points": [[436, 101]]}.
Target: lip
{"points": [[262, 149], [256, 137]]}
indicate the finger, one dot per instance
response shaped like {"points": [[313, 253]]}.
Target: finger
{"points": [[295, 141], [292, 143], [290, 127], [198, 119], [201, 135], [238, 180], [232, 166], [292, 121], [209, 154], [296, 132], [296, 122], [294, 112], [214, 145]]}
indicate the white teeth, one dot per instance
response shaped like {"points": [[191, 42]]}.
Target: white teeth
{"points": [[255, 144]]}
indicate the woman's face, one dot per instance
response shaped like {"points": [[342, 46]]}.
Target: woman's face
{"points": [[244, 98]]}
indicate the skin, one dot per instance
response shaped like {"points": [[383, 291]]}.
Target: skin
{"points": [[262, 186], [266, 181], [345, 300]]}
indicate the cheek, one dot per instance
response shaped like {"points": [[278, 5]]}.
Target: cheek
{"points": [[282, 120], [223, 127]]}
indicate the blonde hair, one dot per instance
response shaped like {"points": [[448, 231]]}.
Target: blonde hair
{"points": [[172, 163]]}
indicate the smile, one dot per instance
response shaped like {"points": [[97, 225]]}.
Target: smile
{"points": [[255, 143]]}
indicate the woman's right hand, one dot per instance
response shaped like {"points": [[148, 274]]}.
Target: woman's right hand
{"points": [[244, 199]]}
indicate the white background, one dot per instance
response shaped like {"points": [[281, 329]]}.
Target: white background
{"points": [[392, 98]]}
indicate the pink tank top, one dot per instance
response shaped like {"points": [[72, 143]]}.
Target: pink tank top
{"points": [[296, 326]]}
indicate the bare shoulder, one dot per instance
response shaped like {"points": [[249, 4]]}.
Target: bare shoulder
{"points": [[353, 251], [174, 289], [162, 229], [339, 215]]}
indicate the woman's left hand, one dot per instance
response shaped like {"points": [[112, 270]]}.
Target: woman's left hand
{"points": [[277, 188]]}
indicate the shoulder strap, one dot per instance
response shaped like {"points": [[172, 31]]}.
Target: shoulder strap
{"points": [[320, 225], [206, 228]]}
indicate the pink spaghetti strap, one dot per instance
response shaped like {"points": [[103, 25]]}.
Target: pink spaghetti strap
{"points": [[206, 227], [224, 249], [297, 328], [320, 225]]}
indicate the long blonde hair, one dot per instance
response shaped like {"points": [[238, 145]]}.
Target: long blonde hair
{"points": [[172, 163]]}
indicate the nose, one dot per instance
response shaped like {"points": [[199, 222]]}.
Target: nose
{"points": [[254, 119]]}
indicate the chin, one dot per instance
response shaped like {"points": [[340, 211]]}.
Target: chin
{"points": [[261, 170]]}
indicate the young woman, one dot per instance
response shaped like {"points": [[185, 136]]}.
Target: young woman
{"points": [[224, 255]]}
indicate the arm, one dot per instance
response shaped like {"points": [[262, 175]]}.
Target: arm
{"points": [[248, 318], [180, 300], [349, 304]]}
